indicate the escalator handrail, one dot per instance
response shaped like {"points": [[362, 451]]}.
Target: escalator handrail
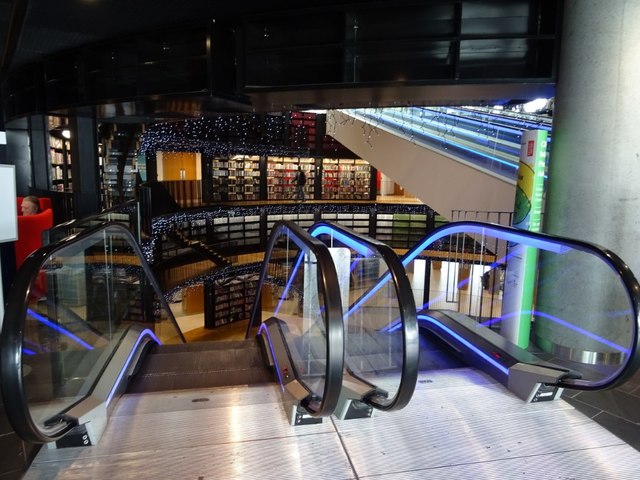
{"points": [[406, 307], [628, 279], [332, 306], [13, 326], [60, 231]]}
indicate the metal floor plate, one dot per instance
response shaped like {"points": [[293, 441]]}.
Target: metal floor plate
{"points": [[459, 424]]}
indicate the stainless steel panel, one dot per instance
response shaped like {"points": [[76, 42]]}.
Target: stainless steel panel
{"points": [[459, 424]]}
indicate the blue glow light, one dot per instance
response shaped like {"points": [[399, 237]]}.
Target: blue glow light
{"points": [[261, 329], [514, 237], [27, 351], [523, 124], [466, 343], [294, 271], [342, 238], [459, 132], [559, 321], [368, 295], [358, 247], [145, 333], [59, 329], [582, 331], [439, 138]]}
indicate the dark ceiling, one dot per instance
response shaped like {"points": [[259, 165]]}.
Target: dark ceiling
{"points": [[43, 27], [34, 30]]}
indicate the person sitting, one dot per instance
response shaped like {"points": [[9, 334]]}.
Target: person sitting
{"points": [[30, 205]]}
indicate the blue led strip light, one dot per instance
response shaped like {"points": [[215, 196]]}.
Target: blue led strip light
{"points": [[466, 343], [146, 332], [459, 132], [523, 124], [540, 244], [261, 329], [342, 238], [294, 271], [461, 147], [559, 321], [358, 247], [59, 329]]}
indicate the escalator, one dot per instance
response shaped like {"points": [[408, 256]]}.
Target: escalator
{"points": [[86, 322], [337, 325], [539, 313], [450, 158]]}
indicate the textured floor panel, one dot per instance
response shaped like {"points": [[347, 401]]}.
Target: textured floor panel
{"points": [[172, 425], [156, 402], [467, 425], [460, 424], [473, 402], [601, 464], [297, 458]]}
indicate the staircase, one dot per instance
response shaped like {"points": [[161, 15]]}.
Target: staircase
{"points": [[197, 246], [201, 365]]}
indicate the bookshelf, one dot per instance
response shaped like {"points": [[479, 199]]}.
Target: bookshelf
{"points": [[281, 173], [60, 154], [229, 300], [243, 178], [121, 142], [346, 179]]}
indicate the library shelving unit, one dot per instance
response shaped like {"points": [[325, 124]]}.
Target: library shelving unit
{"points": [[281, 172], [220, 172], [229, 300], [236, 231], [243, 178], [345, 179], [60, 154], [121, 142], [303, 219], [236, 178], [357, 221], [407, 229]]}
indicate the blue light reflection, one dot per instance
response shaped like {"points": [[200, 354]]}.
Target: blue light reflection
{"points": [[59, 329]]}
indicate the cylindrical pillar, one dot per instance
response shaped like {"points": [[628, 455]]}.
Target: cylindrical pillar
{"points": [[594, 168]]}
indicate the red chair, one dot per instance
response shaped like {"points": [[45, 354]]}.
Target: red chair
{"points": [[31, 228]]}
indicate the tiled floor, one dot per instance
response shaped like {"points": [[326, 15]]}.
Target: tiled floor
{"points": [[618, 410]]}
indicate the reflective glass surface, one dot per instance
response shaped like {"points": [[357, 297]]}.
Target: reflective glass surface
{"points": [[292, 293], [80, 303], [566, 302]]}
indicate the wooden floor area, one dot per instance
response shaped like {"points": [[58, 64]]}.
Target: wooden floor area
{"points": [[233, 331]]}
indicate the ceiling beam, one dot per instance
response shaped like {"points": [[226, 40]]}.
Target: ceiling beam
{"points": [[16, 21]]}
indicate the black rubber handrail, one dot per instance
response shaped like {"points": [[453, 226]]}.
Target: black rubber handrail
{"points": [[328, 282], [13, 327], [63, 230], [406, 307]]}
